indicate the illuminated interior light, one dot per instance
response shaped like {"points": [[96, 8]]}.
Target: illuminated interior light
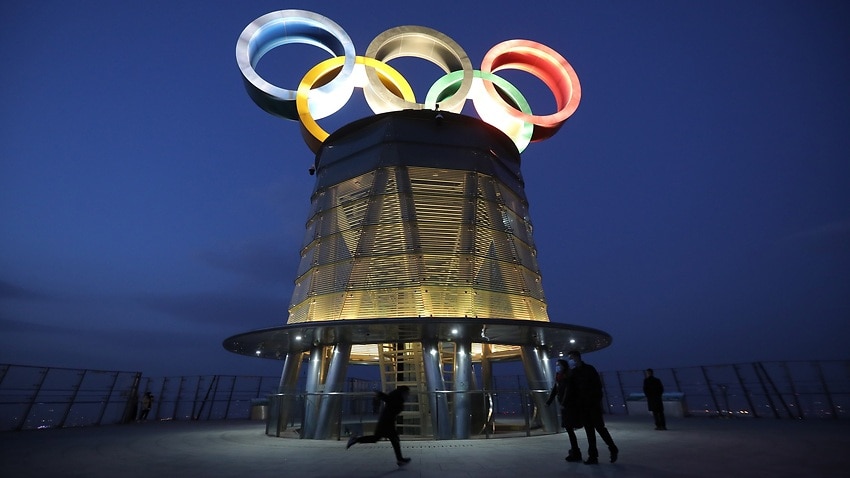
{"points": [[419, 42], [454, 331], [295, 26], [297, 337], [547, 65], [313, 134], [259, 352], [572, 341], [520, 131]]}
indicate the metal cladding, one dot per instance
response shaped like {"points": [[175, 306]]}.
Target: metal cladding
{"points": [[418, 230], [418, 216]]}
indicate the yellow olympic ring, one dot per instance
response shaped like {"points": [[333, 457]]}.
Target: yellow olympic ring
{"points": [[389, 78]]}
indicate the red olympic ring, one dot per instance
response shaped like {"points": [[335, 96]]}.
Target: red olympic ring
{"points": [[547, 65]]}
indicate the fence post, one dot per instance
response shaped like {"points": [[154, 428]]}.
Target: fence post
{"points": [[213, 382], [765, 390], [775, 390], [74, 393], [161, 399], [711, 390], [3, 369], [793, 389], [676, 379], [25, 415], [108, 397], [622, 393], [826, 389], [132, 399], [746, 391], [195, 398]]}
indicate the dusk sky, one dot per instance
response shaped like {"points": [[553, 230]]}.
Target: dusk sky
{"points": [[696, 206]]}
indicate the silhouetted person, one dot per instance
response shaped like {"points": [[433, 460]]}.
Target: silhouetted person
{"points": [[569, 407], [147, 403], [654, 389], [386, 427], [584, 379]]}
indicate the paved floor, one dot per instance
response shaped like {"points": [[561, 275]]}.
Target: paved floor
{"points": [[693, 447]]}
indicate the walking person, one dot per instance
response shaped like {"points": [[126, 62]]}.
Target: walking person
{"points": [[584, 379], [386, 427], [653, 389], [569, 409], [147, 403]]}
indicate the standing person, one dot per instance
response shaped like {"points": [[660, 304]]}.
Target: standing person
{"points": [[386, 427], [584, 379], [147, 403], [569, 410], [654, 389]]}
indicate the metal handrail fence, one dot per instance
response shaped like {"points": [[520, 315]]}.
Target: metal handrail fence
{"points": [[206, 397], [797, 390], [53, 397]]}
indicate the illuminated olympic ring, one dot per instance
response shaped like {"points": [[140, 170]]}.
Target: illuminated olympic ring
{"points": [[488, 108], [295, 26], [396, 84], [385, 89], [547, 65], [419, 42]]}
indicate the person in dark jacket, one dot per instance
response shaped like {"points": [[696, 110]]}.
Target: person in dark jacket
{"points": [[569, 409], [147, 403], [386, 427], [653, 389], [584, 379]]}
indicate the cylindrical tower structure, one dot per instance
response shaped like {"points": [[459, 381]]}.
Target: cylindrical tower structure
{"points": [[418, 214], [418, 257]]}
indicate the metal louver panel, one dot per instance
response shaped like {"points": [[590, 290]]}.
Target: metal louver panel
{"points": [[418, 242]]}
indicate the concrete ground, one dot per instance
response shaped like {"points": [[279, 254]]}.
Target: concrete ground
{"points": [[692, 447]]}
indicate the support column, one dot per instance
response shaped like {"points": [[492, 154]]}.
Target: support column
{"points": [[463, 381], [487, 389], [535, 361], [435, 388], [282, 405], [311, 396], [329, 405], [486, 368]]}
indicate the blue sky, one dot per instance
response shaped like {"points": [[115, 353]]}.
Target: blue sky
{"points": [[696, 206]]}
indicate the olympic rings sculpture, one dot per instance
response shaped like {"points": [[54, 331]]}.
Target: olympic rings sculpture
{"points": [[494, 99]]}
